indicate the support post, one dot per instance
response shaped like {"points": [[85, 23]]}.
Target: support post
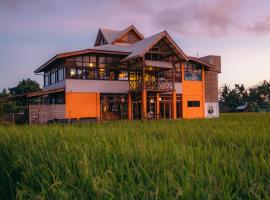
{"points": [[157, 106], [174, 116], [144, 105], [129, 106]]}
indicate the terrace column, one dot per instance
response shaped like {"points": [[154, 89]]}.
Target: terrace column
{"points": [[129, 106], [174, 116], [157, 106], [144, 105]]}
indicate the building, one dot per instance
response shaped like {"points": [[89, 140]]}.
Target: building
{"points": [[127, 76]]}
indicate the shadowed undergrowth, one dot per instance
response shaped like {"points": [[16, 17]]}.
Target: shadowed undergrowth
{"points": [[225, 158]]}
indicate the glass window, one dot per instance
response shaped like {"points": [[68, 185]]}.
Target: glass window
{"points": [[109, 60], [46, 80], [102, 59], [53, 76], [60, 74], [86, 59], [78, 59], [93, 59], [93, 74], [78, 64], [193, 103], [192, 72], [123, 75]]}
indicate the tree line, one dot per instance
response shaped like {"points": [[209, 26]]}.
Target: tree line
{"points": [[253, 99], [9, 105]]}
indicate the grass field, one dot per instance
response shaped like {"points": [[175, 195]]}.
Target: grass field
{"points": [[225, 158]]}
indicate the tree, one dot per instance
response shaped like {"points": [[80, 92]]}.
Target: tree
{"points": [[256, 98], [25, 86]]}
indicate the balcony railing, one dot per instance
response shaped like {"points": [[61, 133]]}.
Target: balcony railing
{"points": [[152, 85]]}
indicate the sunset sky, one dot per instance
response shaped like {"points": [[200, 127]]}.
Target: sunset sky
{"points": [[33, 31]]}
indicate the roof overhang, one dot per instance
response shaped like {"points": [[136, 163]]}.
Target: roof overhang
{"points": [[75, 53], [205, 64], [44, 92]]}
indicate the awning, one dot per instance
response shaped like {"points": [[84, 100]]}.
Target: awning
{"points": [[159, 64]]}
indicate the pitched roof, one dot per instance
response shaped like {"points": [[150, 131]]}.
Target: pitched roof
{"points": [[112, 35], [141, 47]]}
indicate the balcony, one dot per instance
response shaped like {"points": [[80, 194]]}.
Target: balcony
{"points": [[151, 85]]}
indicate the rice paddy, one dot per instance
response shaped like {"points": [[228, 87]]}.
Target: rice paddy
{"points": [[224, 158]]}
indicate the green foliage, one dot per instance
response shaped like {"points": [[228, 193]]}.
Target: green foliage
{"points": [[225, 158], [10, 106], [257, 98], [25, 86]]}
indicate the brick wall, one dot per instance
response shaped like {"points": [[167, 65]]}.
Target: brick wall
{"points": [[41, 114]]}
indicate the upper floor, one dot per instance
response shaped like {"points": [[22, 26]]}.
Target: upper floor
{"points": [[155, 63]]}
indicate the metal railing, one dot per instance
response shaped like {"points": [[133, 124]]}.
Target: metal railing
{"points": [[160, 84]]}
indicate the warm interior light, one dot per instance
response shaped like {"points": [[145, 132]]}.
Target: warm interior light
{"points": [[72, 72], [91, 64], [159, 98]]}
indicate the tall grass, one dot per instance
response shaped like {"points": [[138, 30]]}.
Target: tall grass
{"points": [[225, 158]]}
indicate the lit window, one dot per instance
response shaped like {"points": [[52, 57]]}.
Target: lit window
{"points": [[72, 72]]}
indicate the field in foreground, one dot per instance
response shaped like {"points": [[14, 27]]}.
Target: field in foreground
{"points": [[225, 158]]}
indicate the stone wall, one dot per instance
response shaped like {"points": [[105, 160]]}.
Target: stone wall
{"points": [[41, 114]]}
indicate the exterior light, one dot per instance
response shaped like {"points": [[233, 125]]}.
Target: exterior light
{"points": [[152, 101], [91, 64], [159, 98]]}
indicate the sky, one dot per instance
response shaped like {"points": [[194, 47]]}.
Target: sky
{"points": [[33, 31]]}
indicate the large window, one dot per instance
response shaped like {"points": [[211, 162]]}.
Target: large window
{"points": [[54, 75], [192, 72], [96, 68], [47, 78]]}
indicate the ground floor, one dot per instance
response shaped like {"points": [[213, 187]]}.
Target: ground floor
{"points": [[93, 106]]}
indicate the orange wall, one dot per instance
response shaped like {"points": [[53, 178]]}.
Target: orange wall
{"points": [[82, 104], [193, 91]]}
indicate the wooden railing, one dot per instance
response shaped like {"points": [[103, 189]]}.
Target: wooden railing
{"points": [[157, 85]]}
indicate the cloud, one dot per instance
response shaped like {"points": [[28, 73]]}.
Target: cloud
{"points": [[259, 27], [207, 18]]}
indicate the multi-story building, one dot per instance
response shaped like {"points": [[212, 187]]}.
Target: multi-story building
{"points": [[127, 76]]}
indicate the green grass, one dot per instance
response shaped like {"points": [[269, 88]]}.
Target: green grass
{"points": [[225, 158]]}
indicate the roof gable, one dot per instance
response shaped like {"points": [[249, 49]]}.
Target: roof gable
{"points": [[140, 48], [114, 36]]}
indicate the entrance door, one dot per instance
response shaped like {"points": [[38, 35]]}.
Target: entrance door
{"points": [[179, 109], [165, 110], [136, 109]]}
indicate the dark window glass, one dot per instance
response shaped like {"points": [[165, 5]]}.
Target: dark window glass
{"points": [[192, 72], [193, 103], [93, 59], [102, 60], [85, 59], [60, 74], [78, 59], [53, 76]]}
